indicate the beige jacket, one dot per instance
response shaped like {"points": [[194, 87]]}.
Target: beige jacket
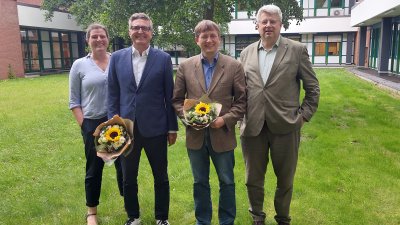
{"points": [[277, 102]]}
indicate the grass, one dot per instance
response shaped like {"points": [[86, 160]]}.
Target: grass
{"points": [[348, 171]]}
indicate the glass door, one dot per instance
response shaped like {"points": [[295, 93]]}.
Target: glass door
{"points": [[30, 50], [374, 48]]}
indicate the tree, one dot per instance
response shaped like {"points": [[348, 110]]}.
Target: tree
{"points": [[173, 20]]}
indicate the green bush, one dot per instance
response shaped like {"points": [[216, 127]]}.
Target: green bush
{"points": [[11, 73]]}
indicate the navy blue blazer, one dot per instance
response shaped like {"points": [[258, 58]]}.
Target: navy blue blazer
{"points": [[149, 104]]}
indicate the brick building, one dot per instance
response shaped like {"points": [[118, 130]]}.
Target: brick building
{"points": [[31, 45], [10, 43]]}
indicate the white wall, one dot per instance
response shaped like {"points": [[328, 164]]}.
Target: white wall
{"points": [[34, 17], [372, 10], [309, 25]]}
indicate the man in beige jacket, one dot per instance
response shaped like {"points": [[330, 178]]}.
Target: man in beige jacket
{"points": [[274, 67]]}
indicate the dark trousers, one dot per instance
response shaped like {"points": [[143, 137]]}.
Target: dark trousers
{"points": [[156, 151], [94, 164], [282, 149]]}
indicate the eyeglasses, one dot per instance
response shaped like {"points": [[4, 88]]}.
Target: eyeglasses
{"points": [[271, 22], [143, 28]]}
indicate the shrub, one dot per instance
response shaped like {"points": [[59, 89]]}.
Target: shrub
{"points": [[10, 72]]}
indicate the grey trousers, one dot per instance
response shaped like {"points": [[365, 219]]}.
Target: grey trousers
{"points": [[282, 149]]}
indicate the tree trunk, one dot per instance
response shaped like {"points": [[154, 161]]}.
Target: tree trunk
{"points": [[209, 10]]}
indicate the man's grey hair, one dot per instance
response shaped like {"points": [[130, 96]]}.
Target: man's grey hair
{"points": [[270, 9], [137, 16]]}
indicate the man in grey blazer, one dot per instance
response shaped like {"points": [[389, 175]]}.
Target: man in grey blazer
{"points": [[222, 78], [274, 67]]}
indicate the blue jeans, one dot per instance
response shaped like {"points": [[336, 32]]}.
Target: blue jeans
{"points": [[224, 163]]}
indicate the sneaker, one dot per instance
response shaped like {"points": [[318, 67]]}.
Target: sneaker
{"points": [[162, 222], [134, 221]]}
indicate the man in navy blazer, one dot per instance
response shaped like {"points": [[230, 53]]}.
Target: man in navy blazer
{"points": [[140, 87]]}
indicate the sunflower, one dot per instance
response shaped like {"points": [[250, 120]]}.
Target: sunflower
{"points": [[202, 108], [113, 134]]}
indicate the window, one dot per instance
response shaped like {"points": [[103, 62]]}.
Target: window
{"points": [[336, 3], [66, 54], [243, 41], [293, 37], [56, 50], [333, 48], [320, 48], [395, 55], [32, 35], [74, 44], [48, 50], [23, 35], [328, 3], [321, 3], [30, 49]]}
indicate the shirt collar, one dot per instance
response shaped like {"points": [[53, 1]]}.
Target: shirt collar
{"points": [[135, 52], [204, 60], [260, 45], [90, 55]]}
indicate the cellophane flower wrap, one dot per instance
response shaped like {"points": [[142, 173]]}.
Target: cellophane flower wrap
{"points": [[200, 113], [113, 138]]}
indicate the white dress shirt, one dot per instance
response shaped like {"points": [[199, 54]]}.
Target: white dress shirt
{"points": [[138, 63]]}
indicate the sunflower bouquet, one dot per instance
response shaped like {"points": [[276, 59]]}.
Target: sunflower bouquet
{"points": [[199, 114], [112, 138]]}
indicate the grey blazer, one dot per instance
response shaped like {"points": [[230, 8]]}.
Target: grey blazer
{"points": [[277, 102]]}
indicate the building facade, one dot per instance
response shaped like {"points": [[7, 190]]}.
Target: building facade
{"points": [[378, 40], [365, 33], [10, 44], [34, 45], [325, 30]]}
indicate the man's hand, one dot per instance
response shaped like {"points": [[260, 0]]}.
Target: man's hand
{"points": [[218, 123], [172, 138], [303, 122]]}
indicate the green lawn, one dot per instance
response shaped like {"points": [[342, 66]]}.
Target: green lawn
{"points": [[348, 171]]}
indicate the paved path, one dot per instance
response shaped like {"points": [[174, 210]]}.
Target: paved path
{"points": [[389, 82]]}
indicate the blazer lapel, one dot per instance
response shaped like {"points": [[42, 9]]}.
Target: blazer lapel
{"points": [[218, 72], [149, 63], [256, 62], [282, 48], [199, 74], [127, 60]]}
